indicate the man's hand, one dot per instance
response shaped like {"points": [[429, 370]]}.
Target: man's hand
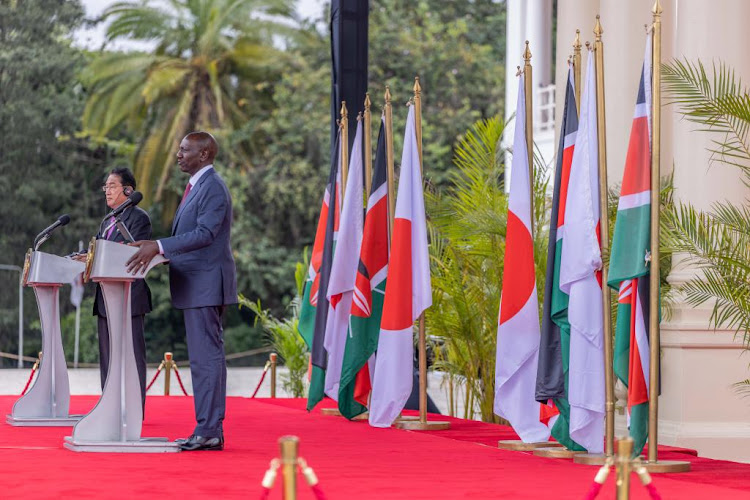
{"points": [[80, 257], [147, 250]]}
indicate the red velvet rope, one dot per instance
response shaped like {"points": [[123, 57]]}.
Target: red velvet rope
{"points": [[593, 491], [319, 495], [31, 377], [179, 379], [262, 377], [158, 370], [652, 491]]}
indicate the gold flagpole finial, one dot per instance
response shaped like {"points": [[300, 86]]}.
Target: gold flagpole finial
{"points": [[344, 112], [368, 103], [657, 10], [598, 30], [577, 41], [527, 53], [417, 86], [387, 94]]}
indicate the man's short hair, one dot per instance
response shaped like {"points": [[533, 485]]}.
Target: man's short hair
{"points": [[126, 176], [205, 141]]}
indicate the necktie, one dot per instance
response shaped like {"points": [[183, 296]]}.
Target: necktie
{"points": [[187, 191], [111, 229]]}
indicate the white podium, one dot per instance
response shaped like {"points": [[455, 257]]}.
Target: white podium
{"points": [[47, 402], [114, 425]]}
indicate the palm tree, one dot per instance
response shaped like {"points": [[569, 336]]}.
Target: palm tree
{"points": [[717, 241], [209, 56]]}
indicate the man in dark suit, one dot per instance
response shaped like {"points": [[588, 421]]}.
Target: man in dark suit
{"points": [[202, 281], [119, 185]]}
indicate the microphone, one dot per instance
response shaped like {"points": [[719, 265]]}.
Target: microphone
{"points": [[132, 201], [45, 234]]}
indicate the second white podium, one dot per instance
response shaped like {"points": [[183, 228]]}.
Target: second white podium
{"points": [[114, 425]]}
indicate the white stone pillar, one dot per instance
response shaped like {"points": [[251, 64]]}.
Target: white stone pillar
{"points": [[698, 407], [572, 15]]}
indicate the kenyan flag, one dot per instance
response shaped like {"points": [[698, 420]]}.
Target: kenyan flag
{"points": [[367, 302], [628, 266]]}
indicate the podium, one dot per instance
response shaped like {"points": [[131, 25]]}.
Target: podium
{"points": [[48, 401], [114, 424]]}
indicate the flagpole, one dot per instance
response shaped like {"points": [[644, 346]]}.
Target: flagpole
{"points": [[609, 382], [529, 100], [368, 147], [422, 337], [344, 148], [422, 424], [653, 321], [390, 171], [577, 69]]}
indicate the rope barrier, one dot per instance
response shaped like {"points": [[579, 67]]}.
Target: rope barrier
{"points": [[156, 375], [599, 480], [262, 377], [179, 379], [311, 478], [269, 478], [31, 376]]}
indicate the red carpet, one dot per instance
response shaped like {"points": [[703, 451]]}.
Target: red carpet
{"points": [[352, 460]]}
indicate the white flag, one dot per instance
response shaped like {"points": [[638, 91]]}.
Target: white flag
{"points": [[581, 261]]}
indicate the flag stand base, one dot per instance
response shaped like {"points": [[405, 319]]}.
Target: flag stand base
{"points": [[590, 458], [518, 445], [407, 418], [334, 412], [666, 466], [411, 425], [556, 452], [331, 411]]}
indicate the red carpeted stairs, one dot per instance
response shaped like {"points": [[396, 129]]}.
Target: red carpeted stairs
{"points": [[351, 459]]}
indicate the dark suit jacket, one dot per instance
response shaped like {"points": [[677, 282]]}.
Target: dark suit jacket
{"points": [[139, 224], [201, 266]]}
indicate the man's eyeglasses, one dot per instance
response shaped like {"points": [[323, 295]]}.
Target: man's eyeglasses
{"points": [[110, 187]]}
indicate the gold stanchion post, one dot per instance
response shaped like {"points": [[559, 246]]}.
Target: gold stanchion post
{"points": [[167, 371], [289, 446], [422, 424], [273, 360], [622, 464]]}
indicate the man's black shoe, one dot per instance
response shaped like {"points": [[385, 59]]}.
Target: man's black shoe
{"points": [[182, 441], [200, 443]]}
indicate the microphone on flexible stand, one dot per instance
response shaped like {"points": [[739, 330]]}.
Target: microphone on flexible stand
{"points": [[47, 232], [132, 201]]}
